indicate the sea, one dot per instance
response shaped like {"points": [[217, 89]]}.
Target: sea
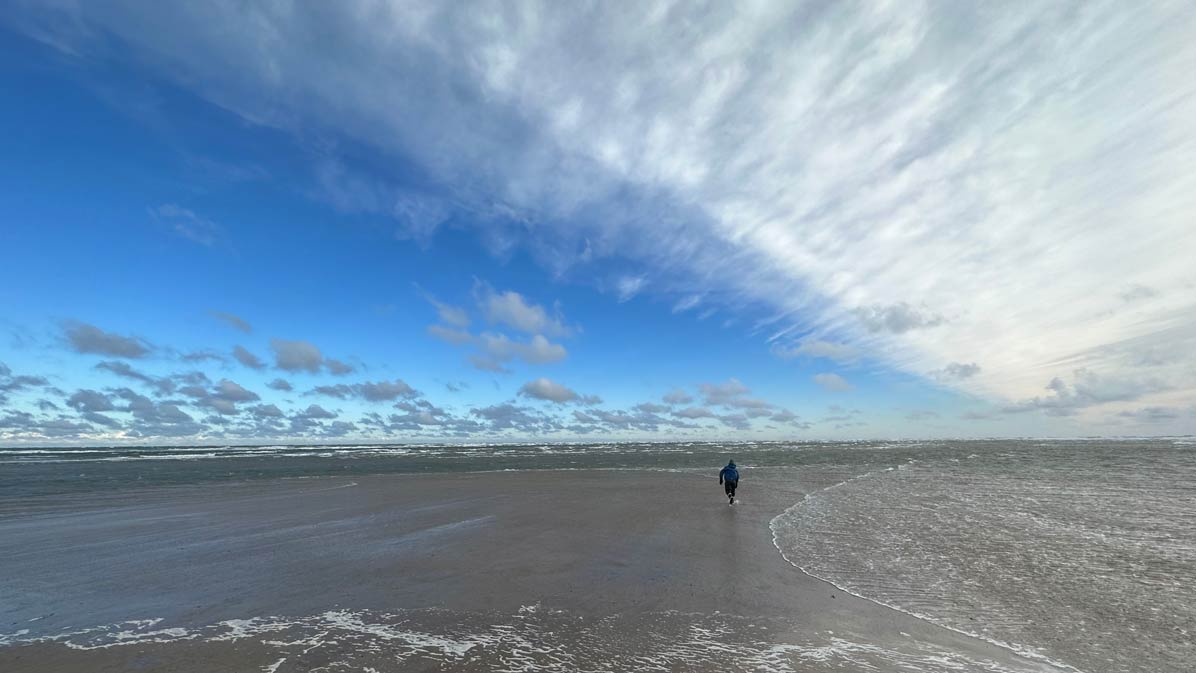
{"points": [[1079, 553]]}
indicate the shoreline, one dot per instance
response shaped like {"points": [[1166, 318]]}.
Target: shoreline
{"points": [[1014, 648], [599, 544]]}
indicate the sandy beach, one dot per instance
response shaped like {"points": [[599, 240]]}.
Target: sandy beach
{"points": [[555, 570]]}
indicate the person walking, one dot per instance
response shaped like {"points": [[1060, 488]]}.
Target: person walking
{"points": [[729, 478]]}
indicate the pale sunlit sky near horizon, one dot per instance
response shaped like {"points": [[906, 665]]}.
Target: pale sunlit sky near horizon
{"points": [[280, 221]]}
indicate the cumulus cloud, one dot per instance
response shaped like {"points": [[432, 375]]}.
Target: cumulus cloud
{"points": [[85, 338], [677, 396], [311, 419], [513, 310], [224, 397], [723, 393], [234, 392], [203, 356], [816, 348], [1087, 389], [694, 412], [162, 385], [315, 411], [833, 382], [232, 321], [280, 384], [156, 419], [498, 348], [385, 390], [959, 370], [602, 420], [730, 394], [24, 422], [296, 356], [551, 391], [790, 418], [494, 350], [90, 401], [371, 391], [453, 316], [338, 368], [897, 318], [10, 383], [508, 416], [248, 359]]}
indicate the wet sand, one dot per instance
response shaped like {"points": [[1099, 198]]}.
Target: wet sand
{"points": [[609, 570]]}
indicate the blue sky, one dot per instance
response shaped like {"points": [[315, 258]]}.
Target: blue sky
{"points": [[488, 223]]}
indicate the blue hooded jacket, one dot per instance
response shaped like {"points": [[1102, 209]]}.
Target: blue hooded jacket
{"points": [[729, 473]]}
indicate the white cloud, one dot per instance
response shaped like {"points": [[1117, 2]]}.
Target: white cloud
{"points": [[449, 335], [959, 370], [694, 412], [452, 315], [296, 355], [551, 391], [187, 224], [687, 303], [833, 382], [677, 396], [536, 351], [723, 393], [815, 348], [234, 321], [1088, 389], [897, 318], [628, 286], [978, 182], [248, 359], [511, 309]]}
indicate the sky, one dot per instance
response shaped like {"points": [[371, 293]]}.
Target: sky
{"points": [[364, 221]]}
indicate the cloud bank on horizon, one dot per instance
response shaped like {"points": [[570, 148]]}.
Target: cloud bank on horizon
{"points": [[994, 201]]}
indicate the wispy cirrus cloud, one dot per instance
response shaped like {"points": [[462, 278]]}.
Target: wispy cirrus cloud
{"points": [[930, 183], [236, 322], [187, 224]]}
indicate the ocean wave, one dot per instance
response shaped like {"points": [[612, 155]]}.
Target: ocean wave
{"points": [[531, 639]]}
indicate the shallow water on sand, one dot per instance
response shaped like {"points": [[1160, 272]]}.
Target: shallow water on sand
{"points": [[1084, 553], [534, 639]]}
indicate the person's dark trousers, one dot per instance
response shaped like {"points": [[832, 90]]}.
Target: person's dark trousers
{"points": [[730, 486]]}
